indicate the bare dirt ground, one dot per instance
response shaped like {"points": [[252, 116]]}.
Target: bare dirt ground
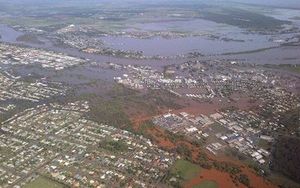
{"points": [[223, 179]]}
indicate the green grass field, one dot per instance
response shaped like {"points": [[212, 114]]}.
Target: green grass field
{"points": [[207, 184], [185, 169], [43, 182]]}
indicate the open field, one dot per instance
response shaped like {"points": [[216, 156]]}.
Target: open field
{"points": [[44, 182], [185, 169]]}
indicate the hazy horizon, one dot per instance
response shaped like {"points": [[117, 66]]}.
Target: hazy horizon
{"points": [[287, 3]]}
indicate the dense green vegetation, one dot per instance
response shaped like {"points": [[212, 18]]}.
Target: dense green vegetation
{"points": [[244, 179], [113, 146], [243, 18], [291, 122], [184, 151], [285, 157], [29, 38], [226, 167], [109, 112]]}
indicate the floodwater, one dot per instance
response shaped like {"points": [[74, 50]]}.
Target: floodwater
{"points": [[234, 39], [180, 46], [284, 14], [211, 48], [282, 55], [8, 34]]}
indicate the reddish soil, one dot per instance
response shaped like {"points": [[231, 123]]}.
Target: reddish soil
{"points": [[195, 107], [160, 138], [221, 178], [255, 180], [156, 133], [137, 121], [207, 108], [243, 102]]}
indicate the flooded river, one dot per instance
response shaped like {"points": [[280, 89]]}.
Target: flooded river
{"points": [[158, 45]]}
